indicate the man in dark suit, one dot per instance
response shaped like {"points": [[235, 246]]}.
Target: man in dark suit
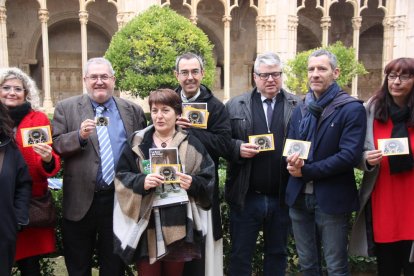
{"points": [[321, 191], [88, 188]]}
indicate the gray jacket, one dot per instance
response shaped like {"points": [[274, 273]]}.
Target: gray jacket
{"points": [[81, 162], [238, 172], [359, 243]]}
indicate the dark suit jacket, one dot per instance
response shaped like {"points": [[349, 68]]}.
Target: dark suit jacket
{"points": [[81, 163], [337, 149]]}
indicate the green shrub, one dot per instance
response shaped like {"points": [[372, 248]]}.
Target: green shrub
{"points": [[296, 68], [143, 53]]}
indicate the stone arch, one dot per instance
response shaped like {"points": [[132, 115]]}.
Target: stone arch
{"points": [[60, 18], [370, 54], [309, 34], [65, 65], [341, 29]]}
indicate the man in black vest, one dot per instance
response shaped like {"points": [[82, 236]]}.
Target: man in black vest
{"points": [[256, 179]]}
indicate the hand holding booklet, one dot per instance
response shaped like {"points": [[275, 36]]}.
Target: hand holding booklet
{"points": [[165, 161]]}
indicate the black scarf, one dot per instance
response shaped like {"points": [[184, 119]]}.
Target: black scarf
{"points": [[19, 112], [314, 109], [399, 116]]}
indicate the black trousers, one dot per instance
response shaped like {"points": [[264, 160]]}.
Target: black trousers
{"points": [[393, 258], [29, 266], [7, 251], [80, 238]]}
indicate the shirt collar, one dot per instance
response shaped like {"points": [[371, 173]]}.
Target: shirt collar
{"points": [[192, 99], [263, 98], [109, 104]]}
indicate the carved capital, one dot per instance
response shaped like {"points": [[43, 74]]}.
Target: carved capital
{"points": [[83, 17], [194, 19], [226, 18], [293, 22], [325, 22], [3, 15], [356, 22], [266, 22], [43, 15], [124, 17], [395, 22]]}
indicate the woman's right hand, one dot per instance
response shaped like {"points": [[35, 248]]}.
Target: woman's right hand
{"points": [[373, 157], [152, 180]]}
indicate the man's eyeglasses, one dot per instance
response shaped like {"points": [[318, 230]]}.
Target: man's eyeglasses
{"points": [[16, 89], [265, 76], [101, 77], [186, 74], [403, 78]]}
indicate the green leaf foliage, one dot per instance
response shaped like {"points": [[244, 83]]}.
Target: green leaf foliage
{"points": [[143, 52], [298, 76]]}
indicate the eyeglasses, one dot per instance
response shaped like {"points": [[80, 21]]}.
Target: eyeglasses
{"points": [[16, 89], [99, 77], [186, 74], [403, 78], [265, 76]]}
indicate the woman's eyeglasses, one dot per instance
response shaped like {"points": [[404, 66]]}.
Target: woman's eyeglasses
{"points": [[403, 77], [16, 89]]}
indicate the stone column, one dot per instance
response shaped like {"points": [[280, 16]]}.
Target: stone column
{"points": [[325, 24], [47, 101], [266, 34], [356, 25], [293, 22], [4, 54], [260, 28], [83, 18], [226, 20]]}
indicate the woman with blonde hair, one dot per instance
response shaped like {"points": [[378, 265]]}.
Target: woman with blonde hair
{"points": [[18, 92]]}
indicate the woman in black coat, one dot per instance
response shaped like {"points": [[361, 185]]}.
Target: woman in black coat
{"points": [[16, 187]]}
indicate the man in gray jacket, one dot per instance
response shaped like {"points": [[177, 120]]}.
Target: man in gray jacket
{"points": [[88, 188], [256, 180]]}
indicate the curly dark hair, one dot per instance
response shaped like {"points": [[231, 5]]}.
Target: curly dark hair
{"points": [[5, 122], [382, 98]]}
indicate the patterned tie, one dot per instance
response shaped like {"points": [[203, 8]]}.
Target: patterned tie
{"points": [[269, 111], [105, 149]]}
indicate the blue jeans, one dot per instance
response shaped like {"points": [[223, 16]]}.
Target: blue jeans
{"points": [[311, 228], [260, 213]]}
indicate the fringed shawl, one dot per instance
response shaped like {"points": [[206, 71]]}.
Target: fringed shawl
{"points": [[132, 210]]}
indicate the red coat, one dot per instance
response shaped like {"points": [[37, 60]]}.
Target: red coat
{"points": [[35, 241]]}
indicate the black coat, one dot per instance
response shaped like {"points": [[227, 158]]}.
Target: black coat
{"points": [[216, 139], [16, 189]]}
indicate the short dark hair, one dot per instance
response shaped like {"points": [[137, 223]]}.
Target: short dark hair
{"points": [[188, 56], [166, 96]]}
